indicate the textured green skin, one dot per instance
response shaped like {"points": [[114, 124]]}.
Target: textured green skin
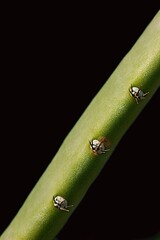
{"points": [[75, 167]]}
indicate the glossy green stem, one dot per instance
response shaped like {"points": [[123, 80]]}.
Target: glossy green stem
{"points": [[75, 167]]}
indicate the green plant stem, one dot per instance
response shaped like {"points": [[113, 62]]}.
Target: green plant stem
{"points": [[75, 167]]}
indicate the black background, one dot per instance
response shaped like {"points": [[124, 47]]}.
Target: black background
{"points": [[55, 60]]}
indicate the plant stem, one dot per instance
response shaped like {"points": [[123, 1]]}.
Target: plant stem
{"points": [[75, 167]]}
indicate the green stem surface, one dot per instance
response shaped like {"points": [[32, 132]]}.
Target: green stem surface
{"points": [[75, 167]]}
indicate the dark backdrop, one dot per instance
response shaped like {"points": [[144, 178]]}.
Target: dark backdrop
{"points": [[56, 59]]}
